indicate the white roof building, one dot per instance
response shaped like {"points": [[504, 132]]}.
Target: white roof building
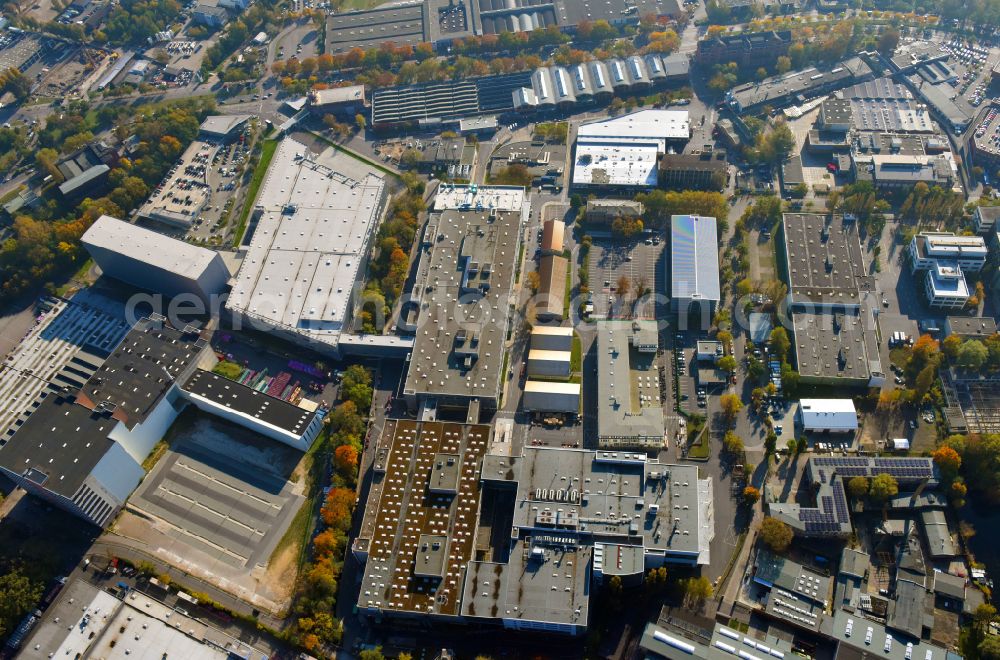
{"points": [[623, 151], [312, 237], [642, 125], [828, 415], [152, 261]]}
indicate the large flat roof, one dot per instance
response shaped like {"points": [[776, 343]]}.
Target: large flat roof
{"points": [[829, 413], [782, 88], [643, 124], [831, 345], [823, 258], [401, 510], [611, 495], [463, 283], [628, 390], [59, 444], [248, 401], [611, 164], [904, 115], [141, 369], [694, 258], [223, 125], [401, 24], [313, 233], [149, 247]]}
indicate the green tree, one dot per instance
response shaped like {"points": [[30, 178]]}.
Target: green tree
{"points": [[731, 406], [732, 443], [770, 442], [776, 534], [697, 590], [883, 486], [857, 487], [780, 343], [972, 355], [792, 445], [655, 582], [371, 654], [18, 594], [360, 122], [888, 40], [726, 363], [409, 158]]}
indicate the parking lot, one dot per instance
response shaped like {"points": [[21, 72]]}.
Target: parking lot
{"points": [[973, 63], [220, 495], [641, 262]]}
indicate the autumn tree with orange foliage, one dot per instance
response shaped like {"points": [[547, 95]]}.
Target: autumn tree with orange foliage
{"points": [[345, 460], [948, 461], [337, 508]]}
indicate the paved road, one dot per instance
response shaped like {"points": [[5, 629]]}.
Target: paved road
{"points": [[112, 545]]}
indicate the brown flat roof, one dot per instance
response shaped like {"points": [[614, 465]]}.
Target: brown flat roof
{"points": [[401, 510]]}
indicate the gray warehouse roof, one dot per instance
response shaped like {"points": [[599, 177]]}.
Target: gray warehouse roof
{"points": [[823, 258], [150, 247], [694, 258], [141, 370], [622, 373], [463, 282], [69, 186], [616, 495], [222, 125]]}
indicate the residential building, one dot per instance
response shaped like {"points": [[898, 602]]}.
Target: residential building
{"points": [[158, 263], [704, 171], [984, 219], [749, 50], [694, 269], [609, 210]]}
